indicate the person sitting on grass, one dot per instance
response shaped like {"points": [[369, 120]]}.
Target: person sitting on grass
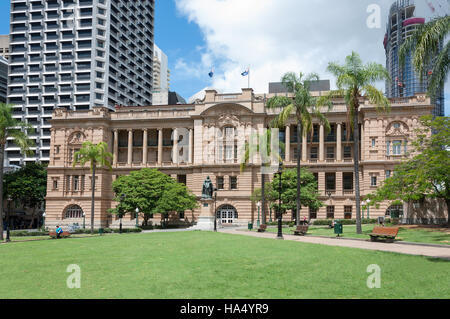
{"points": [[59, 232]]}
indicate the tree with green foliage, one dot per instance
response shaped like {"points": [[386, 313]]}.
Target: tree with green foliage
{"points": [[425, 46], [95, 155], [27, 186], [152, 192], [354, 81], [16, 129], [427, 174], [305, 107], [309, 193]]}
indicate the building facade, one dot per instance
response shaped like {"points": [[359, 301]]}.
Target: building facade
{"points": [[3, 80], [4, 46], [405, 81], [191, 142], [76, 54]]}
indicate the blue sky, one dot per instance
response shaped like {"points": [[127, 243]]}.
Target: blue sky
{"points": [[266, 35]]}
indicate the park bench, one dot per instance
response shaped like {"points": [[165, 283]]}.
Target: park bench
{"points": [[63, 235], [301, 230], [385, 232], [262, 228]]}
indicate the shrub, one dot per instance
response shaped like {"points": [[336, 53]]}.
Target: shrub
{"points": [[24, 233]]}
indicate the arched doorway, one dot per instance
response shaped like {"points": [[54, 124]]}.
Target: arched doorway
{"points": [[395, 211], [227, 215]]}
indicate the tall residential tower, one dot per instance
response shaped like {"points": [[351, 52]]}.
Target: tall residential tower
{"points": [[402, 23], [76, 54]]}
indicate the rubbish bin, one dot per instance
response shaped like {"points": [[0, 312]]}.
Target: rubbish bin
{"points": [[338, 228], [250, 226], [100, 231]]}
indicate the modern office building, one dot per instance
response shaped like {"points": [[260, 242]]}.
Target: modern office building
{"points": [[161, 72], [405, 82], [76, 54], [207, 138], [3, 80], [4, 46]]}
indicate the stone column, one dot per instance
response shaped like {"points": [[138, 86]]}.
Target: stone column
{"points": [[191, 146], [145, 148], [339, 142], [304, 147], [130, 147], [288, 144], [116, 147], [175, 146], [160, 146], [321, 143]]}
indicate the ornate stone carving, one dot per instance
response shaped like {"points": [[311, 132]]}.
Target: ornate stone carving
{"points": [[397, 129], [76, 138]]}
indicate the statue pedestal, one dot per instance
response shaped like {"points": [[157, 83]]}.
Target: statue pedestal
{"points": [[206, 218]]}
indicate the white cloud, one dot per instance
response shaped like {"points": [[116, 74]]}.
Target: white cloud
{"points": [[277, 36]]}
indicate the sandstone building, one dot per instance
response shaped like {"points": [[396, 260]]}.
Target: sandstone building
{"points": [[148, 136]]}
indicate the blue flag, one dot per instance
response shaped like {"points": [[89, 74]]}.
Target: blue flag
{"points": [[211, 74], [246, 72]]}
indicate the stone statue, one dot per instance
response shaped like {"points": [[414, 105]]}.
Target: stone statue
{"points": [[207, 190]]}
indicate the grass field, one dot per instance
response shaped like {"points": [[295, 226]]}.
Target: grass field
{"points": [[211, 265], [407, 234]]}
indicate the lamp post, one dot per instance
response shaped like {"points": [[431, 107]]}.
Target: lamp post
{"points": [[258, 221], [122, 198], [279, 173], [137, 217], [9, 199], [84, 220], [215, 209], [362, 211], [43, 216], [368, 210]]}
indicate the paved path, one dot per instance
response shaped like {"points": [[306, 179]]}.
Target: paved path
{"points": [[410, 249]]}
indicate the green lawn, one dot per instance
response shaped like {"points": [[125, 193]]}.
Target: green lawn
{"points": [[420, 235], [211, 265]]}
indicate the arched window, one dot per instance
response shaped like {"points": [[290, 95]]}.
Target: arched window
{"points": [[73, 212]]}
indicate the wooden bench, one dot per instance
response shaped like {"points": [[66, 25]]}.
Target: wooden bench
{"points": [[262, 228], [301, 230], [63, 235], [385, 232]]}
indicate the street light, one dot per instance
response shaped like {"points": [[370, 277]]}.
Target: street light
{"points": [[279, 173], [137, 217], [122, 198], [215, 209], [259, 206], [368, 211], [84, 220], [9, 199], [43, 216], [362, 210]]}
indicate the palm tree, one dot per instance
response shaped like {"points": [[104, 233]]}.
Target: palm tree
{"points": [[251, 148], [426, 42], [355, 80], [10, 127], [95, 154], [305, 107]]}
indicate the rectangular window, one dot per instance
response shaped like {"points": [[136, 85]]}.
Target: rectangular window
{"points": [[55, 184], [397, 147], [220, 182], [233, 182], [347, 181], [374, 142], [330, 212], [347, 152], [312, 213], [330, 180], [330, 152], [313, 154], [388, 173], [348, 212], [373, 181], [181, 179], [228, 152], [76, 183], [388, 148]]}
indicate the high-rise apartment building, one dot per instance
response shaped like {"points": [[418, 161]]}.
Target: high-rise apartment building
{"points": [[76, 54], [405, 82], [3, 79]]}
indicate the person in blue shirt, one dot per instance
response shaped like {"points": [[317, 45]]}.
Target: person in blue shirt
{"points": [[59, 231]]}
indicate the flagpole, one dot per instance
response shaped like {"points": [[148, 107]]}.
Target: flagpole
{"points": [[248, 77]]}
